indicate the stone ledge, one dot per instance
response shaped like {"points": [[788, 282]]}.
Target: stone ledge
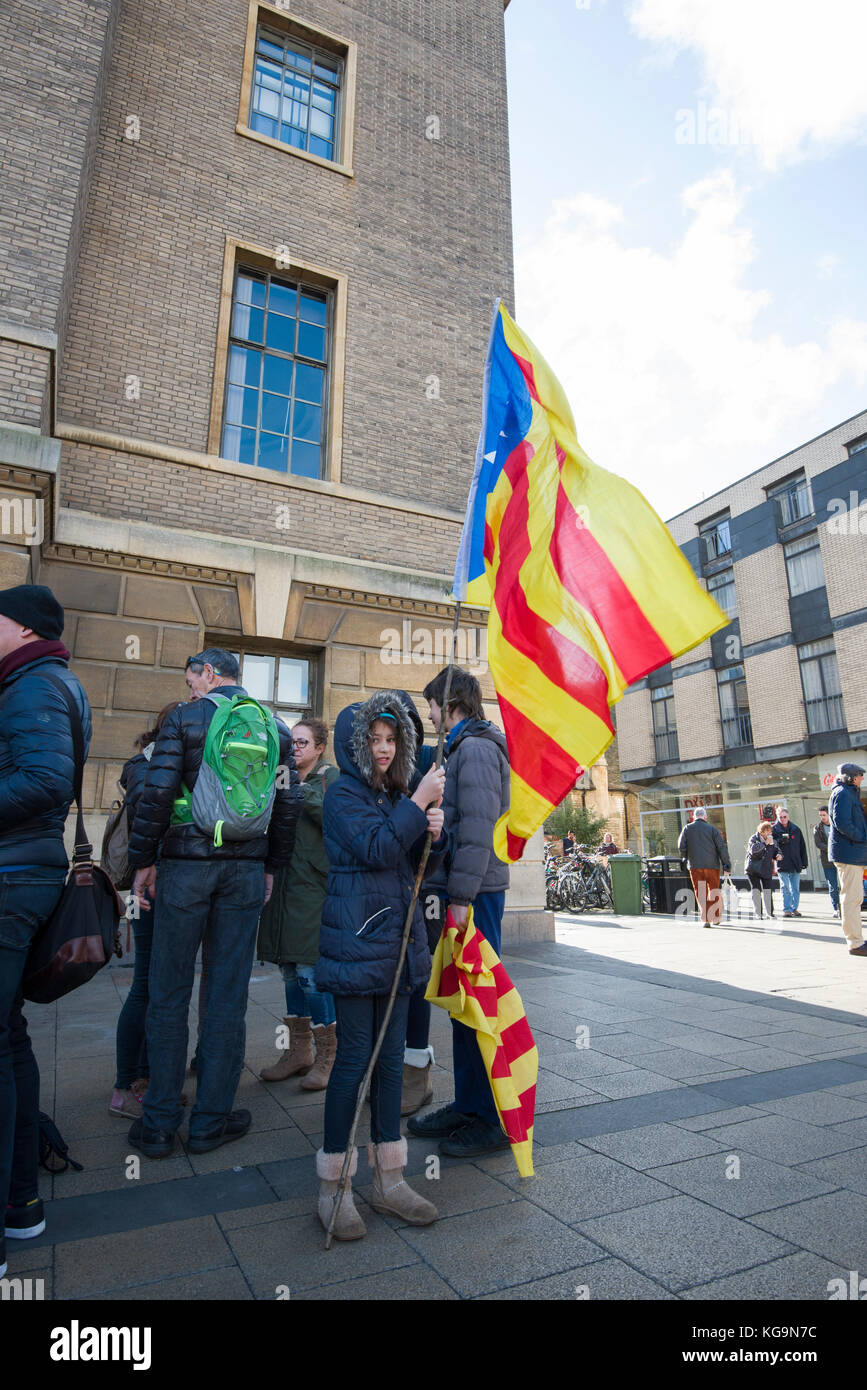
{"points": [[527, 924]]}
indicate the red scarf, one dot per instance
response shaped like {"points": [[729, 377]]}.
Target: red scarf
{"points": [[31, 651]]}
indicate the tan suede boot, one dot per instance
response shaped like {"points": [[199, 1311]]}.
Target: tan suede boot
{"points": [[298, 1056], [325, 1038], [417, 1089], [391, 1193], [349, 1225]]}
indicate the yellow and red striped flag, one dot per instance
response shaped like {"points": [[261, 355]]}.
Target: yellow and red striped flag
{"points": [[587, 590], [470, 981]]}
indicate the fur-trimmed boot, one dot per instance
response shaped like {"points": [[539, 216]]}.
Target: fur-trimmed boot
{"points": [[349, 1225], [416, 1088], [298, 1056], [325, 1038], [391, 1193]]}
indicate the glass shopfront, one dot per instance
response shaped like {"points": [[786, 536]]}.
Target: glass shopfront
{"points": [[737, 799]]}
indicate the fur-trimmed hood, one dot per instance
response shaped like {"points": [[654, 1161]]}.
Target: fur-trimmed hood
{"points": [[351, 746]]}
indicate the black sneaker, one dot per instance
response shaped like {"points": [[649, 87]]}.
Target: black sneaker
{"points": [[438, 1123], [23, 1223], [234, 1126], [473, 1139], [153, 1143]]}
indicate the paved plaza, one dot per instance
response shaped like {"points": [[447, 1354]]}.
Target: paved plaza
{"points": [[701, 1134]]}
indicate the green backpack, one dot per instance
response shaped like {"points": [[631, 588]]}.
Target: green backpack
{"points": [[234, 792]]}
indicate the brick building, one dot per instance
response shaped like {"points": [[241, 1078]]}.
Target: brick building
{"points": [[248, 258], [764, 710]]}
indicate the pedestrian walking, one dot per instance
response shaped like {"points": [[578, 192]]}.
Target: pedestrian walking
{"points": [[476, 795], [821, 836], [760, 867], [290, 923], [37, 780], [374, 835], [847, 850], [793, 849], [209, 888], [706, 853]]}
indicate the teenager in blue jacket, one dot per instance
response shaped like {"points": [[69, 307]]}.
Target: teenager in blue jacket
{"points": [[847, 849], [374, 834]]}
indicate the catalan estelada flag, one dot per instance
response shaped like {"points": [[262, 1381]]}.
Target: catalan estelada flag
{"points": [[469, 979], [587, 589]]}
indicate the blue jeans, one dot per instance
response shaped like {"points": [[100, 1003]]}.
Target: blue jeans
{"points": [[791, 884], [217, 901], [833, 882], [359, 1019], [473, 1094], [132, 1048], [27, 898], [303, 999]]}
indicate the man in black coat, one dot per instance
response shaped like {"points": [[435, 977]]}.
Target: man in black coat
{"points": [[476, 795], [706, 852], [794, 851], [37, 776], [821, 836], [202, 891]]}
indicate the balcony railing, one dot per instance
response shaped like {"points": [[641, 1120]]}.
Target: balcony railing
{"points": [[666, 746], [737, 730], [826, 714]]}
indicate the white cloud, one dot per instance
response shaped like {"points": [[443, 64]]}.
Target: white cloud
{"points": [[827, 264], [672, 381], [791, 71]]}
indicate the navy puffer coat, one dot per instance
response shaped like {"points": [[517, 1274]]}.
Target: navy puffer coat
{"points": [[37, 762], [373, 842]]}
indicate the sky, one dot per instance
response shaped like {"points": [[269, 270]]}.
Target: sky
{"points": [[689, 199]]}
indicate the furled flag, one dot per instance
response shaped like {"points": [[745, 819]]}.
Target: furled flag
{"points": [[469, 979], [587, 589]]}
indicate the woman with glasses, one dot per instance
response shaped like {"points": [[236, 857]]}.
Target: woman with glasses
{"points": [[289, 925]]}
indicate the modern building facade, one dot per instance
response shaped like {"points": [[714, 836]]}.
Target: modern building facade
{"points": [[765, 710], [248, 261]]}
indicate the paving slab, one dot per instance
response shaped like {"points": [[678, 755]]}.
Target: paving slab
{"points": [[292, 1253], [754, 1184], [587, 1186], [635, 1082], [773, 1135], [477, 1255], [262, 1146], [819, 1108], [218, 1285], [679, 1063], [455, 1190], [803, 1277], [721, 1117], [504, 1164], [604, 1279], [649, 1146], [682, 1242], [106, 1263], [833, 1225], [413, 1283]]}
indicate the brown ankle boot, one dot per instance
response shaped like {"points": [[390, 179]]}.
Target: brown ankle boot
{"points": [[325, 1037], [390, 1193], [298, 1056], [349, 1225]]}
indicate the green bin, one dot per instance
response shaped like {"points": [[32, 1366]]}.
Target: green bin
{"points": [[626, 883]]}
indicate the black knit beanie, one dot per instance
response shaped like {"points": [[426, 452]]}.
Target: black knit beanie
{"points": [[33, 606]]}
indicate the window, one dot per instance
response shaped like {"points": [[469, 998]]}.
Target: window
{"points": [[274, 414], [716, 539], [297, 90], [857, 445], [734, 708], [283, 683], [664, 727], [296, 93], [721, 587], [793, 499], [820, 679], [804, 564]]}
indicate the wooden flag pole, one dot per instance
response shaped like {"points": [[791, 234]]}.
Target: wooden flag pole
{"points": [[407, 928]]}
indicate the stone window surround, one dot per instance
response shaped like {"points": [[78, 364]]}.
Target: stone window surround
{"points": [[261, 258], [346, 49]]}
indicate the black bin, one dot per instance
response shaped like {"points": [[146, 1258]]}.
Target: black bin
{"points": [[665, 879]]}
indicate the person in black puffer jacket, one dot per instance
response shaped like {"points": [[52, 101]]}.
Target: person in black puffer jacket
{"points": [[133, 1070], [204, 894], [476, 795], [760, 865], [374, 834], [37, 781]]}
